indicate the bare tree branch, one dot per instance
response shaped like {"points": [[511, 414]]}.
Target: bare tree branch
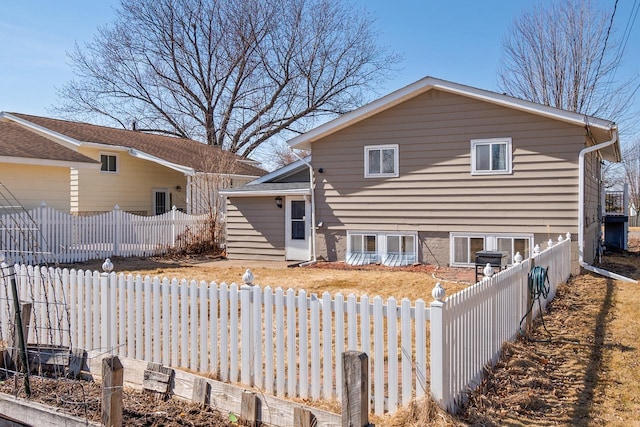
{"points": [[231, 73], [561, 54]]}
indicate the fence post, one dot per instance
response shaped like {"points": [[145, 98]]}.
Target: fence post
{"points": [[173, 226], [246, 314], [440, 387], [112, 379], [355, 389], [105, 303], [117, 232], [245, 338]]}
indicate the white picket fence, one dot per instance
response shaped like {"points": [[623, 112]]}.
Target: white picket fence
{"points": [[45, 235], [469, 328], [284, 342]]}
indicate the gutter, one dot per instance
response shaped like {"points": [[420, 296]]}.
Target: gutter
{"points": [[583, 264], [313, 211]]}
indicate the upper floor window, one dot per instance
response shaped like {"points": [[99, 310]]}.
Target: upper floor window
{"points": [[381, 161], [491, 156], [109, 163]]}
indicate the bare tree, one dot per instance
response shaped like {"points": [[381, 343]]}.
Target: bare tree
{"points": [[564, 54], [231, 73], [631, 168]]}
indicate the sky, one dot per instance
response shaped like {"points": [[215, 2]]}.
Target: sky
{"points": [[454, 40]]}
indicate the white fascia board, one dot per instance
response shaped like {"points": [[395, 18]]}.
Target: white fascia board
{"points": [[282, 171], [61, 139], [427, 83], [46, 162], [291, 192], [230, 175], [105, 147], [144, 156]]}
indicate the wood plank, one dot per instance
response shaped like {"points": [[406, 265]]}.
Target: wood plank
{"points": [[249, 407], [112, 381], [224, 397]]}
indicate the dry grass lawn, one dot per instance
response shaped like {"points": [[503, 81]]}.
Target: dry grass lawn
{"points": [[412, 282]]}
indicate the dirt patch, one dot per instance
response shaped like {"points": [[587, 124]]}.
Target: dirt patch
{"points": [[83, 399]]}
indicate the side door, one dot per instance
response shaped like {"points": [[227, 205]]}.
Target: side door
{"points": [[297, 229]]}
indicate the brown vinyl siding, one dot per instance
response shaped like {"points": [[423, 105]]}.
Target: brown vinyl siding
{"points": [[435, 192], [255, 229]]}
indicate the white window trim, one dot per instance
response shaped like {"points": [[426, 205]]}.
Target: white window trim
{"points": [[111, 154], [490, 243], [508, 153], [396, 161]]}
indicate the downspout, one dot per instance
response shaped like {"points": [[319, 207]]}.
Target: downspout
{"points": [[581, 160], [313, 211]]}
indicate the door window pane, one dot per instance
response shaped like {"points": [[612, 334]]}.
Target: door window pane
{"points": [[298, 220], [297, 230], [161, 202], [297, 209]]}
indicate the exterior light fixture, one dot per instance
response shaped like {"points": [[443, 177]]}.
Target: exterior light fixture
{"points": [[279, 202], [178, 188]]}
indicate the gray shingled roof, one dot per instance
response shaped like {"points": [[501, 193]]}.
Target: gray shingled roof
{"points": [[17, 141], [181, 151]]}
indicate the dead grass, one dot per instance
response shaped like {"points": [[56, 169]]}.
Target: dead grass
{"points": [[588, 374], [412, 282]]}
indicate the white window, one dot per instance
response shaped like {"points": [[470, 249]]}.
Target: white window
{"points": [[393, 249], [109, 163], [464, 249], [380, 161], [362, 249], [464, 246], [491, 156], [400, 250]]}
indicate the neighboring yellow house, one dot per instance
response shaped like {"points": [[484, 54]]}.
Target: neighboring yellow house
{"points": [[86, 169]]}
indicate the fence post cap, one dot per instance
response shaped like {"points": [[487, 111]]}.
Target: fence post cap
{"points": [[247, 277], [487, 270], [116, 207], [536, 249], [560, 238], [43, 204], [173, 208], [517, 258], [568, 236], [438, 293], [107, 266]]}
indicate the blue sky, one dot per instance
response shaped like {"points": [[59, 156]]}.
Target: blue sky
{"points": [[454, 40]]}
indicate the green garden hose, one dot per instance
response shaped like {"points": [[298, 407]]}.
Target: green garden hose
{"points": [[539, 287]]}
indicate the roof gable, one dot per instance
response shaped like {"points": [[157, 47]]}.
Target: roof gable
{"points": [[170, 151], [304, 141]]}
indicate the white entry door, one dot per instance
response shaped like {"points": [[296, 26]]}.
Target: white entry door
{"points": [[298, 219]]}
